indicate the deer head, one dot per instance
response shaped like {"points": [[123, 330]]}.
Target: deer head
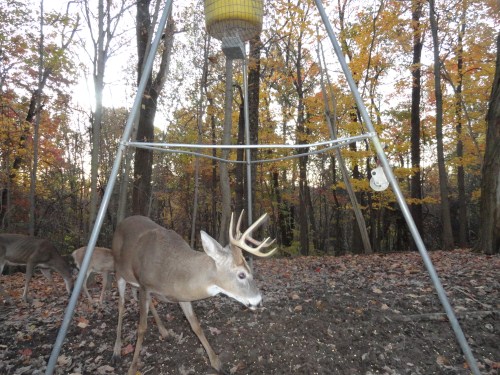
{"points": [[234, 276]]}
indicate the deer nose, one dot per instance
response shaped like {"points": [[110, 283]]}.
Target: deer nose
{"points": [[254, 306]]}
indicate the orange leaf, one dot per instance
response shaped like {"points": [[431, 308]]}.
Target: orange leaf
{"points": [[26, 352], [127, 349], [82, 322]]}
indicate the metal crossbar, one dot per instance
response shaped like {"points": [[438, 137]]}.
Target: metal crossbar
{"points": [[162, 146], [176, 148]]}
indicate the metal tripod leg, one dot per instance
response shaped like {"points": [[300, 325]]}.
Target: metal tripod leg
{"points": [[400, 198]]}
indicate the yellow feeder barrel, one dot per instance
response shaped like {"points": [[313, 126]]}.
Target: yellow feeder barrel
{"points": [[229, 18]]}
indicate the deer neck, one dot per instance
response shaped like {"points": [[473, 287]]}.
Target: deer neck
{"points": [[193, 277]]}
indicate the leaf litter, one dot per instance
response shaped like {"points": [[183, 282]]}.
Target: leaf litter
{"points": [[376, 314]]}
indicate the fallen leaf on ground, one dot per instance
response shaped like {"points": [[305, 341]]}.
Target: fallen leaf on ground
{"points": [[82, 322], [127, 349], [214, 331]]}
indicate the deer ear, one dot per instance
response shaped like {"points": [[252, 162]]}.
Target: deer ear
{"points": [[213, 249]]}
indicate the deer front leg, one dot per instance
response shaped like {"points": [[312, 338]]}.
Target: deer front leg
{"points": [[187, 308], [144, 300], [121, 307]]}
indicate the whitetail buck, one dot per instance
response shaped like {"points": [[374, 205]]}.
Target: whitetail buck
{"points": [[101, 262], [159, 262], [18, 249]]}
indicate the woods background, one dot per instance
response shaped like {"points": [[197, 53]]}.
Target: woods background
{"points": [[68, 74]]}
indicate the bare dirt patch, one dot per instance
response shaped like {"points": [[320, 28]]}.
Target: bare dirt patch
{"points": [[375, 314]]}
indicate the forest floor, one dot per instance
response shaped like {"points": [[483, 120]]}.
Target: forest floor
{"points": [[376, 314]]}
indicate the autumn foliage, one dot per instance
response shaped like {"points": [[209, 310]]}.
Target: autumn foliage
{"points": [[311, 212]]}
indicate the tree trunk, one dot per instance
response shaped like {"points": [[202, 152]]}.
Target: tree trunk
{"points": [[199, 123], [285, 233], [301, 136], [463, 237], [356, 243], [489, 234], [143, 160], [447, 236], [124, 191], [416, 178], [239, 188], [36, 127], [99, 66], [253, 105], [223, 167], [214, 216], [303, 223], [313, 232]]}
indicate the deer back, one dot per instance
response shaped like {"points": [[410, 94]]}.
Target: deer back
{"points": [[151, 256], [101, 261], [162, 262], [21, 249]]}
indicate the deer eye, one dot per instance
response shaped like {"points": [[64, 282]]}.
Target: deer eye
{"points": [[242, 275]]}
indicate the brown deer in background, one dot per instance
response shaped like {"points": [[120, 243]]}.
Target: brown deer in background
{"points": [[101, 262], [159, 262], [18, 249]]}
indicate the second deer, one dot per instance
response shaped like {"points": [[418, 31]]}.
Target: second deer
{"points": [[101, 262], [158, 261], [18, 249]]}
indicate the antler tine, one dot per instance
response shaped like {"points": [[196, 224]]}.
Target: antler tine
{"points": [[240, 240], [237, 233], [257, 243], [231, 237], [255, 225], [238, 225]]}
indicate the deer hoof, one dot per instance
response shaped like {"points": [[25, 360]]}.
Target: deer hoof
{"points": [[115, 359], [217, 365], [27, 300]]}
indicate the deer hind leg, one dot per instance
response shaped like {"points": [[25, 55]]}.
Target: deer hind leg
{"points": [[29, 274], [133, 291], [187, 308], [47, 272], [144, 301], [48, 275], [2, 290], [105, 276], [161, 327], [121, 307], [85, 289]]}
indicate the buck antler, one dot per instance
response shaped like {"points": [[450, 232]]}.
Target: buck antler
{"points": [[240, 240]]}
